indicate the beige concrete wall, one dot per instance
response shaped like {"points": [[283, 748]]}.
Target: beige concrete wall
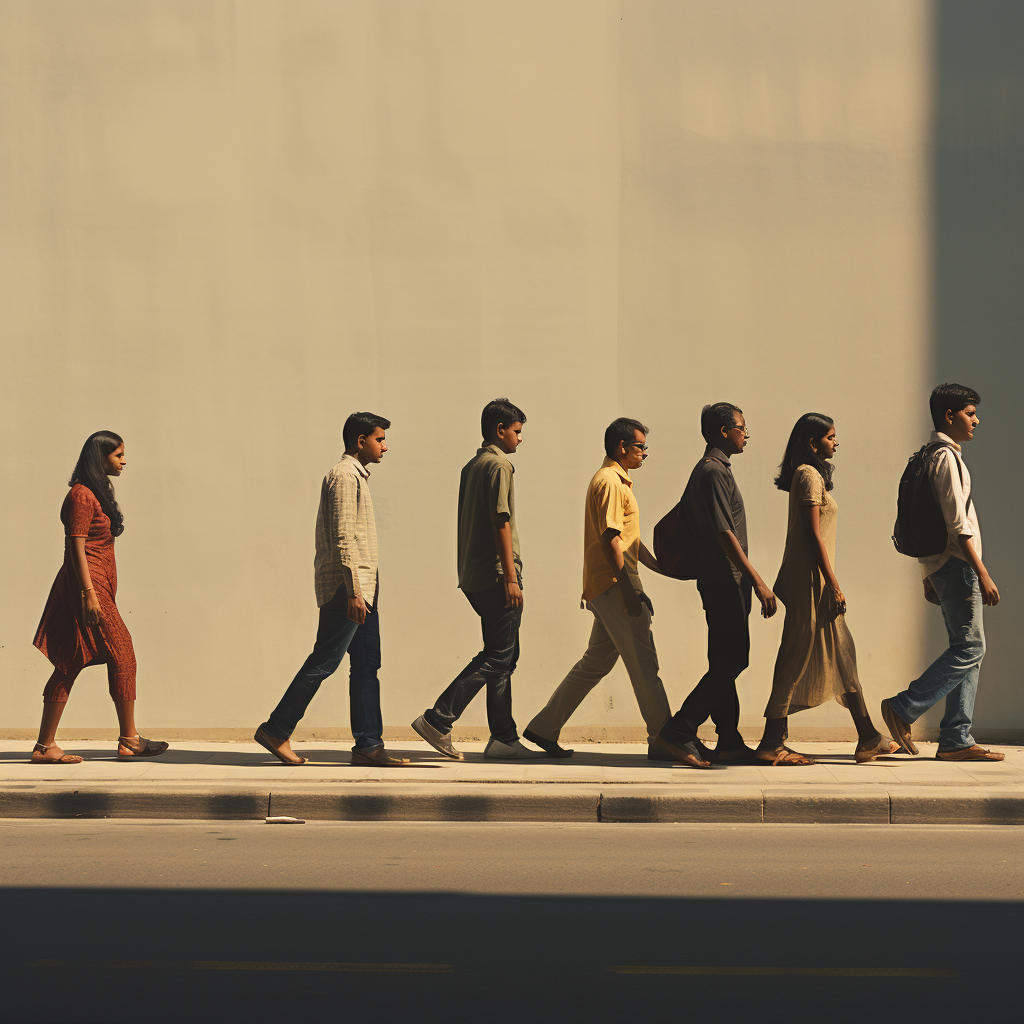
{"points": [[228, 224]]}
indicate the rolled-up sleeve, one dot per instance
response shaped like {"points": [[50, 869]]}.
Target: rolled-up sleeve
{"points": [[344, 488], [949, 492], [501, 483]]}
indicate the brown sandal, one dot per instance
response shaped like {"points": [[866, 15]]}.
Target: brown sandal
{"points": [[786, 757], [63, 759], [146, 748], [974, 753], [883, 747]]}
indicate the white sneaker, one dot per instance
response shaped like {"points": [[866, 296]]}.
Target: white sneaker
{"points": [[513, 751]]}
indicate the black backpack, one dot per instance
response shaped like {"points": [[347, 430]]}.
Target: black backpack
{"points": [[673, 545], [920, 529]]}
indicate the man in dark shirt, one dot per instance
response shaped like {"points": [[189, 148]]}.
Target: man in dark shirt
{"points": [[490, 575], [717, 521]]}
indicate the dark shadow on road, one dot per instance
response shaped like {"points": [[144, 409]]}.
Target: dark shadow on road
{"points": [[551, 954]]}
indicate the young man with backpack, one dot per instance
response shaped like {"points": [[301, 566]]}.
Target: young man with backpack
{"points": [[938, 523]]}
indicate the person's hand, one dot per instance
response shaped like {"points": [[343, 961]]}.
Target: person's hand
{"points": [[634, 606], [989, 591], [769, 602], [513, 594], [356, 610], [647, 601], [837, 601], [91, 608], [929, 592]]}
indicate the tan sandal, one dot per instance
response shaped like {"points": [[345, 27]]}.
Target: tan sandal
{"points": [[63, 759], [143, 748], [974, 753], [786, 758], [883, 747]]}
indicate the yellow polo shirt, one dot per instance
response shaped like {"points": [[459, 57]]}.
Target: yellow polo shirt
{"points": [[610, 505]]}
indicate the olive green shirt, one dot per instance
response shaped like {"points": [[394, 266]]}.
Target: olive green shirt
{"points": [[485, 490]]}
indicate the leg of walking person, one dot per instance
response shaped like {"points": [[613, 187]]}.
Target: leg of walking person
{"points": [[960, 597], [597, 661], [55, 699], [715, 695], [501, 638], [364, 685], [634, 642], [333, 637], [499, 627]]}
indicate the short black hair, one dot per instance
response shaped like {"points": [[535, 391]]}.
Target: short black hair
{"points": [[499, 413], [714, 417], [361, 424], [950, 396], [621, 430]]}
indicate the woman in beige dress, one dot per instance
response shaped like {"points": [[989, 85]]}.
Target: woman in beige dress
{"points": [[817, 659]]}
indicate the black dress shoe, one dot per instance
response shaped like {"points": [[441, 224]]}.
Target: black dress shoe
{"points": [[550, 747]]}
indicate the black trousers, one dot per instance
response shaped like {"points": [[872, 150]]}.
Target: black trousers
{"points": [[727, 610], [492, 667]]}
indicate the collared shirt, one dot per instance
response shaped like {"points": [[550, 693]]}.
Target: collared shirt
{"points": [[346, 534], [952, 496], [713, 504], [611, 505], [486, 489]]}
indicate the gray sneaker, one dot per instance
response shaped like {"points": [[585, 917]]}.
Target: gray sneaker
{"points": [[514, 751], [440, 741]]}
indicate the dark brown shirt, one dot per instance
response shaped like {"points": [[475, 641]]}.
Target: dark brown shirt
{"points": [[713, 504]]}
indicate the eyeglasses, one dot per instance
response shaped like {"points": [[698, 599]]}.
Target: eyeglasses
{"points": [[746, 433], [636, 444]]}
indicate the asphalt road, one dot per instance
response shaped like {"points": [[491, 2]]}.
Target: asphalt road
{"points": [[243, 921]]}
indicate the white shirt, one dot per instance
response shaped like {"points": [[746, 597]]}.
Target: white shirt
{"points": [[961, 521]]}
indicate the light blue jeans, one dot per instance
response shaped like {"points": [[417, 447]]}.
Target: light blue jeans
{"points": [[954, 673]]}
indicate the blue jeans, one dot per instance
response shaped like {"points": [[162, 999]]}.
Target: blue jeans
{"points": [[954, 673], [336, 635]]}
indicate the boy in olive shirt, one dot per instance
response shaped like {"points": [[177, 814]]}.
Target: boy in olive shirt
{"points": [[490, 575]]}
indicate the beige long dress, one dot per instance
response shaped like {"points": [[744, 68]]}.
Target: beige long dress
{"points": [[817, 659]]}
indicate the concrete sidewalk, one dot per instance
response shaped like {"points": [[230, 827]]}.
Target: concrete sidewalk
{"points": [[602, 782]]}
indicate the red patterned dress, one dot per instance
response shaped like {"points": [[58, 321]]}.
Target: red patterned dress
{"points": [[63, 636]]}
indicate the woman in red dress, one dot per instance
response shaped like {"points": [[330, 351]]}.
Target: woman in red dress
{"points": [[81, 625]]}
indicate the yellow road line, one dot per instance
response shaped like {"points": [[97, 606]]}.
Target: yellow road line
{"points": [[253, 965], [824, 972]]}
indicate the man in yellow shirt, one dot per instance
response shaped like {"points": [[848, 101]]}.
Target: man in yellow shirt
{"points": [[612, 591]]}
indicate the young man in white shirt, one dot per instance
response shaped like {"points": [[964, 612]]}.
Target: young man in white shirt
{"points": [[957, 581]]}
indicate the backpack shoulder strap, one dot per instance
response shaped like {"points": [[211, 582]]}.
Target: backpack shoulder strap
{"points": [[935, 446]]}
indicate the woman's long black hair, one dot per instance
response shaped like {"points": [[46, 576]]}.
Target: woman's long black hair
{"points": [[90, 471], [800, 453]]}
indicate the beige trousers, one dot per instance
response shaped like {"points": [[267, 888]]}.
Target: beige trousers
{"points": [[615, 634]]}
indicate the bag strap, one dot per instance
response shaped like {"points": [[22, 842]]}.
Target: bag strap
{"points": [[935, 446]]}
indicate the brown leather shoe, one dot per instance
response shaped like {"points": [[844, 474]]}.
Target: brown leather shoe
{"points": [[659, 749], [974, 753], [899, 729], [379, 758]]}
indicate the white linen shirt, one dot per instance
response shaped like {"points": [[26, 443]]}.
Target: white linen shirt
{"points": [[961, 521]]}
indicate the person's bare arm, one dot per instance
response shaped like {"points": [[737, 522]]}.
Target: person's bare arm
{"points": [[989, 591], [734, 552], [501, 528], [813, 516], [611, 545], [91, 604], [648, 560]]}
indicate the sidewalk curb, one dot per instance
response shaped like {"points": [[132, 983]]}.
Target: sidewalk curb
{"points": [[525, 802]]}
